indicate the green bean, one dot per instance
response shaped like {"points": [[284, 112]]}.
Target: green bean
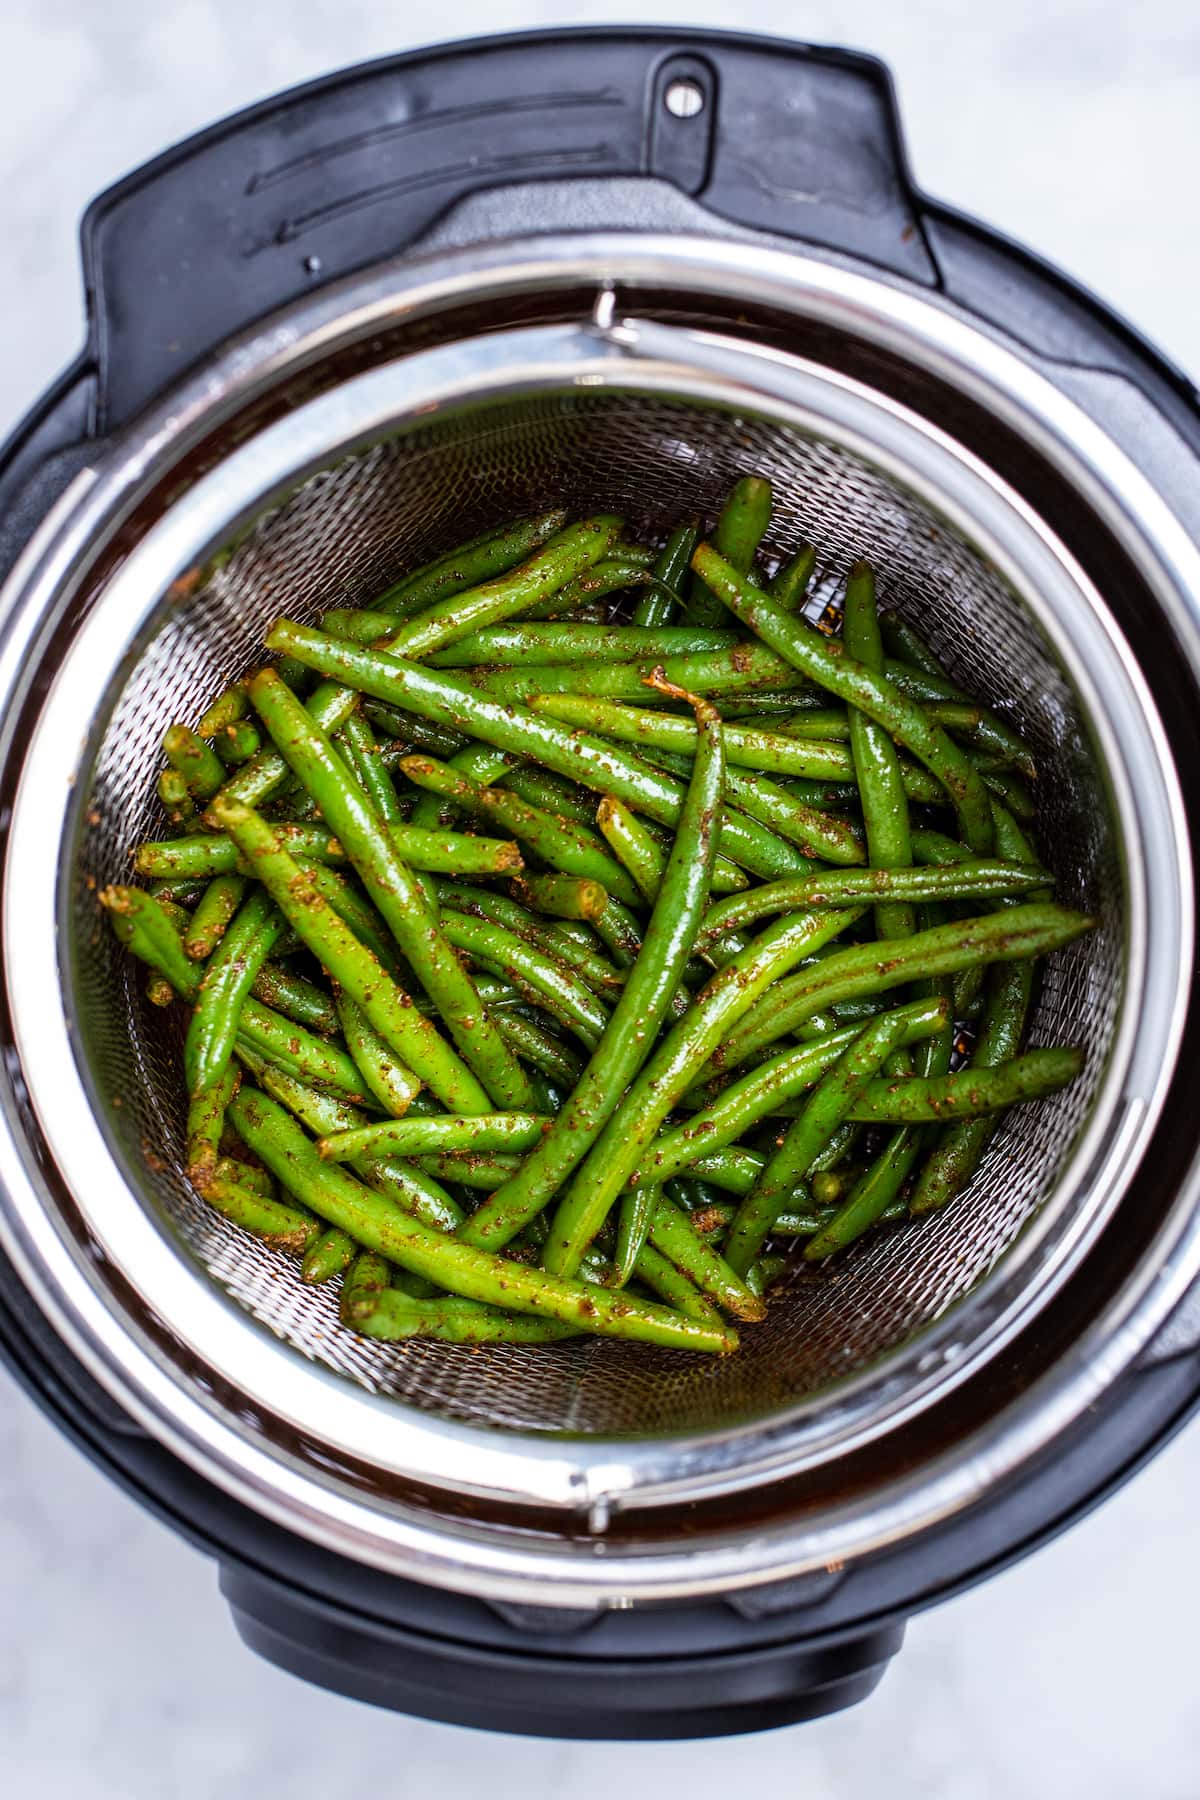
{"points": [[740, 529], [486, 1069], [550, 644], [905, 643], [659, 605], [581, 600], [564, 896], [205, 1124], [973, 1091], [440, 1131], [390, 1011], [829, 1186], [436, 804], [538, 1048], [469, 1168], [478, 560], [637, 1210], [638, 1013], [766, 1089], [229, 706], [660, 1275], [832, 724], [870, 1197], [562, 845], [354, 910], [873, 694], [743, 669], [386, 1078], [483, 904], [1023, 931], [789, 587], [220, 901], [1010, 788], [433, 693], [817, 833], [392, 1316], [566, 554], [620, 1147], [550, 792], [298, 1052], [404, 733], [620, 934], [672, 1235], [827, 1106], [330, 1256], [433, 852], [749, 746], [142, 923], [972, 879], [876, 762], [224, 986], [457, 1266], [248, 1175], [286, 1227], [632, 844], [990, 733], [290, 994], [184, 891], [237, 743], [194, 759], [552, 984], [372, 772], [159, 991]]}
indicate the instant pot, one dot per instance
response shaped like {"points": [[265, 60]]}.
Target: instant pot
{"points": [[335, 335]]}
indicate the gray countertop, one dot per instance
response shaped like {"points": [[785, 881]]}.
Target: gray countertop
{"points": [[1067, 125]]}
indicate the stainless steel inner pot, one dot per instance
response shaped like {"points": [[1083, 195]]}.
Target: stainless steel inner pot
{"points": [[597, 402]]}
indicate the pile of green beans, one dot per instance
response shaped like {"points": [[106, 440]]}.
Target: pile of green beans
{"points": [[575, 939]]}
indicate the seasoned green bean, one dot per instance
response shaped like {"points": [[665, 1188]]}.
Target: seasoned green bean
{"points": [[457, 1266], [330, 1256], [479, 559], [790, 586], [740, 528], [563, 642], [224, 986], [489, 1071], [563, 845], [572, 897], [827, 662], [870, 1197], [385, 1076], [194, 759], [672, 1235], [392, 1316], [552, 984], [638, 1013], [876, 762], [658, 606], [220, 901], [440, 1131], [632, 844], [433, 852], [286, 1227], [205, 1124]]}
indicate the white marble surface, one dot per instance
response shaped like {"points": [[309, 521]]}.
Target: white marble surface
{"points": [[1067, 124]]}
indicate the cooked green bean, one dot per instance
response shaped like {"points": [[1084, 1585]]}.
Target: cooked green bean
{"points": [[660, 1275], [440, 1131], [330, 1256], [580, 757], [870, 1197], [620, 1147], [1023, 931], [551, 793], [433, 852], [299, 1052], [194, 759], [828, 663], [226, 982], [237, 743], [972, 1092], [205, 1124], [457, 1266], [389, 1010], [551, 983], [632, 844], [766, 1089], [488, 1071], [638, 1014], [391, 1315], [220, 901], [229, 706], [564, 846], [972, 879], [550, 644], [483, 1169], [296, 998], [479, 559], [571, 897], [254, 1179], [790, 586], [672, 1235], [749, 746], [819, 834], [552, 565], [740, 529], [481, 903], [990, 732], [876, 762], [385, 1076], [287, 1227], [540, 1049], [362, 753], [828, 1105], [659, 605], [744, 669]]}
